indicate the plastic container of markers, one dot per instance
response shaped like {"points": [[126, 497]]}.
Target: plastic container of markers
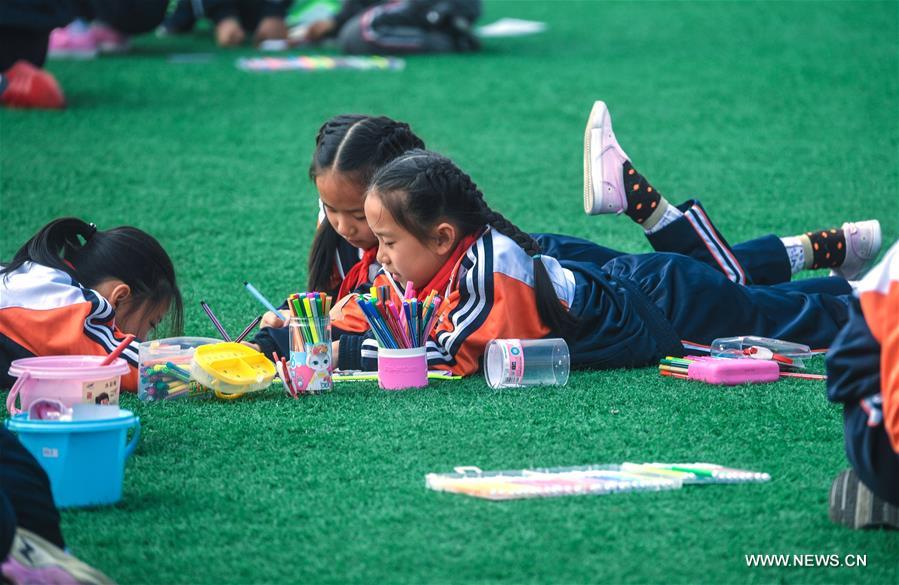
{"points": [[311, 361], [164, 370]]}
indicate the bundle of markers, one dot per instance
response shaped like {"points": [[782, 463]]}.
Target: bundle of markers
{"points": [[399, 325], [313, 309], [591, 479], [163, 378], [728, 371]]}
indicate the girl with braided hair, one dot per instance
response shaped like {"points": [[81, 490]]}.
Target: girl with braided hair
{"points": [[435, 229], [349, 149]]}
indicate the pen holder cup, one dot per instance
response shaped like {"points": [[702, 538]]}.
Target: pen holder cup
{"points": [[311, 360], [399, 369]]}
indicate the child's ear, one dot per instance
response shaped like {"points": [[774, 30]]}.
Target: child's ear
{"points": [[444, 238], [119, 293]]}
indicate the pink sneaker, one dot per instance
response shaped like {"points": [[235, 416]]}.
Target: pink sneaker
{"points": [[108, 39], [74, 41], [603, 165], [863, 241]]}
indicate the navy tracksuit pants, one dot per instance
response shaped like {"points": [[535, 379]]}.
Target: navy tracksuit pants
{"points": [[634, 309]]}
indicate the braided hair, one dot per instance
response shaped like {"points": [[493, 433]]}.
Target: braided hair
{"points": [[420, 189], [90, 257], [356, 145]]}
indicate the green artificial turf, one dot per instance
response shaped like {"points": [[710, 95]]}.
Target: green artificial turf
{"points": [[780, 116]]}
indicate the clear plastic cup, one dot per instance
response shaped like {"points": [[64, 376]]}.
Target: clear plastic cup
{"points": [[513, 363], [311, 363]]}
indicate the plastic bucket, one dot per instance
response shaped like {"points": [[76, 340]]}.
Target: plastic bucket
{"points": [[68, 378], [85, 460]]}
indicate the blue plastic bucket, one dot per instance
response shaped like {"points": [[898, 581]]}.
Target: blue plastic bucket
{"points": [[84, 459]]}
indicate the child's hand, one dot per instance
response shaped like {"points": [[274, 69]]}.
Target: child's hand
{"points": [[252, 346], [335, 351], [275, 320], [228, 33]]}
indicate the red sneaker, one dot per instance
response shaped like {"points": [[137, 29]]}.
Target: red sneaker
{"points": [[25, 86]]}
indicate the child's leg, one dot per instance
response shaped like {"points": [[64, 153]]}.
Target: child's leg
{"points": [[702, 304], [613, 185], [868, 448], [575, 249]]}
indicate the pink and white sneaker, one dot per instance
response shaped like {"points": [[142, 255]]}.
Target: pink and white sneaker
{"points": [[863, 241], [108, 39], [74, 41], [79, 40], [603, 165]]}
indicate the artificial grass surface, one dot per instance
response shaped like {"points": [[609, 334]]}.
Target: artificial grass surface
{"points": [[780, 116]]}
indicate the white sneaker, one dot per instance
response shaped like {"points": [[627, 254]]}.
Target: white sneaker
{"points": [[862, 246], [603, 165]]}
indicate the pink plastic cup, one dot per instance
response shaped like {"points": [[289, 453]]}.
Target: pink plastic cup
{"points": [[71, 379], [399, 369]]}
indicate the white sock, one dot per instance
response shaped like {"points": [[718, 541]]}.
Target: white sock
{"points": [[669, 215], [796, 252]]}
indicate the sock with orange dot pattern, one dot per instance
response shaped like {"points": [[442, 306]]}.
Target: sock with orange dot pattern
{"points": [[828, 248], [645, 205], [642, 199]]}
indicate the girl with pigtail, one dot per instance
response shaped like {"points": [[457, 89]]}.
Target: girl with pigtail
{"points": [[435, 229], [349, 149], [75, 290]]}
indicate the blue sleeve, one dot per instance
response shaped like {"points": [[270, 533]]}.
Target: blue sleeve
{"points": [[273, 339], [853, 361]]}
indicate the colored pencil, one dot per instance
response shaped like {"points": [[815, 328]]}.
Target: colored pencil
{"points": [[118, 350], [215, 321]]}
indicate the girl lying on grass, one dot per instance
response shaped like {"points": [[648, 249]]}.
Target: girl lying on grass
{"points": [[436, 230]]}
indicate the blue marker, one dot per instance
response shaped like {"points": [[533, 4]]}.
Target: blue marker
{"points": [[260, 298]]}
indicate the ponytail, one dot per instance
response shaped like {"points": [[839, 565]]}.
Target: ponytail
{"points": [[91, 257], [422, 188], [58, 241]]}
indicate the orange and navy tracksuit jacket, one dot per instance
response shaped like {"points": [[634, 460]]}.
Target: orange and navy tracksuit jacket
{"points": [[490, 295], [863, 374], [44, 311], [630, 310]]}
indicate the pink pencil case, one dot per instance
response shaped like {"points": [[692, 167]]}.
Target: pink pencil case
{"points": [[733, 372]]}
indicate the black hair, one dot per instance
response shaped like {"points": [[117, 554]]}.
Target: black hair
{"points": [[421, 188], [91, 256], [357, 145]]}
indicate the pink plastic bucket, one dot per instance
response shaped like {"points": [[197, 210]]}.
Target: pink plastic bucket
{"points": [[68, 378], [399, 369]]}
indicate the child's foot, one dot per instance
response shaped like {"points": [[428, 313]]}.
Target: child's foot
{"points": [[853, 505], [25, 86], [270, 28], [74, 41], [862, 246], [229, 33], [603, 165]]}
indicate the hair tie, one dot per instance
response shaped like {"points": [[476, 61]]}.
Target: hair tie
{"points": [[91, 231], [536, 256]]}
